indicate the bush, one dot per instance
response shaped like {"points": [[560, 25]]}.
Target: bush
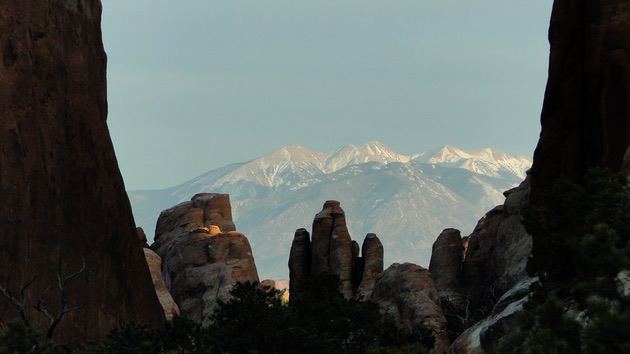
{"points": [[581, 241]]}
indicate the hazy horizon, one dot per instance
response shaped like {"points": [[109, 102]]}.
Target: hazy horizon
{"points": [[201, 84]]}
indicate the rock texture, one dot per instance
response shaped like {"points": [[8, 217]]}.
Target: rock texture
{"points": [[484, 336], [585, 124], [446, 263], [446, 269], [372, 264], [332, 251], [154, 262], [586, 111], [497, 253], [408, 293], [299, 261], [200, 265], [63, 199]]}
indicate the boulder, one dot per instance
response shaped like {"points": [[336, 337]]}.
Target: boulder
{"points": [[64, 207], [200, 266], [408, 293]]}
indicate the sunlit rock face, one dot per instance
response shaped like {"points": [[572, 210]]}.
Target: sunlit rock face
{"points": [[154, 262], [331, 250], [202, 254], [64, 206]]}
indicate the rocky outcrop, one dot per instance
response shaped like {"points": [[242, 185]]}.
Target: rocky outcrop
{"points": [[585, 124], [280, 285], [497, 253], [445, 267], [201, 264], [446, 262], [299, 261], [332, 251], [408, 293], [586, 111], [64, 206], [484, 336], [154, 262], [142, 237], [372, 265]]}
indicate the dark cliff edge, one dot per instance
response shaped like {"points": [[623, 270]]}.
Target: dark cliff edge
{"points": [[64, 208]]}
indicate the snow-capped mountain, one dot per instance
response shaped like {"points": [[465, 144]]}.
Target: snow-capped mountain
{"points": [[406, 200], [489, 162]]}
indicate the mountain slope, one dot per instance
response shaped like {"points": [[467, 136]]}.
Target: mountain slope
{"points": [[406, 200]]}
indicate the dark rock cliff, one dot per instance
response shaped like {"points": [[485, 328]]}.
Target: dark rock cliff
{"points": [[63, 200], [586, 112]]}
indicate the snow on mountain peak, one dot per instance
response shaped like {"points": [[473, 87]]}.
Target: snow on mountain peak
{"points": [[374, 151], [487, 161], [293, 165]]}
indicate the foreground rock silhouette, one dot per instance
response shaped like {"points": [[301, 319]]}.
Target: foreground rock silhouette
{"points": [[64, 203]]}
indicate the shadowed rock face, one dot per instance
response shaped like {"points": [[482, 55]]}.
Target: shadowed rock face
{"points": [[585, 123], [446, 260], [586, 112], [372, 254], [408, 293], [299, 261], [332, 251], [201, 264], [63, 198], [445, 267]]}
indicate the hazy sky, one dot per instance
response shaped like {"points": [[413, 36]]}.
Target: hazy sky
{"points": [[197, 84]]}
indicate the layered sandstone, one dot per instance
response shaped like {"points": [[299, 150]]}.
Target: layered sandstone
{"points": [[64, 208]]}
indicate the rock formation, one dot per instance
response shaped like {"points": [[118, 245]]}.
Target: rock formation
{"points": [[64, 207], [372, 264], [585, 123], [281, 285], [142, 237], [446, 268], [202, 254], [154, 262], [586, 110], [408, 293], [332, 251]]}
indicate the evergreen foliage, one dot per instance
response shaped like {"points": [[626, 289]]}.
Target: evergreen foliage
{"points": [[581, 242]]}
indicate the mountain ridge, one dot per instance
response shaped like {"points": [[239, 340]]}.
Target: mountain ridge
{"points": [[405, 199]]}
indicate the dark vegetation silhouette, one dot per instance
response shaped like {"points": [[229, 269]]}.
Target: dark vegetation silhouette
{"points": [[581, 244], [254, 320]]}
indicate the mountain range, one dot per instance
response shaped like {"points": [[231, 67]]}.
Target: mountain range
{"points": [[405, 199]]}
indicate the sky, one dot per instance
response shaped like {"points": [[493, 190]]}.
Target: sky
{"points": [[194, 85]]}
